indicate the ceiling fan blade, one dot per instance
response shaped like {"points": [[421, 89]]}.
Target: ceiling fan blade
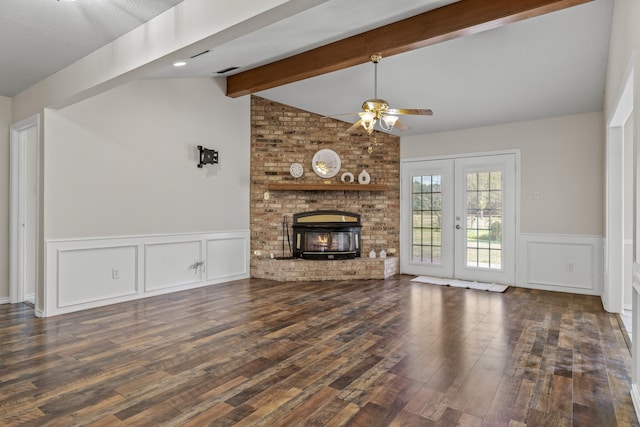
{"points": [[339, 115], [400, 125], [355, 126], [410, 111]]}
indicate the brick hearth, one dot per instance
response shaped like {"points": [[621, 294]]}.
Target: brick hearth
{"points": [[297, 269]]}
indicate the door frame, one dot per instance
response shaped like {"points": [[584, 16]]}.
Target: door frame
{"points": [[613, 295], [17, 208], [405, 194]]}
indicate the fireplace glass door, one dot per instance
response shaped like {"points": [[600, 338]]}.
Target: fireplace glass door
{"points": [[329, 241]]}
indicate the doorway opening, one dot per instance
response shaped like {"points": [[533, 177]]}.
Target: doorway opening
{"points": [[24, 233], [620, 253]]}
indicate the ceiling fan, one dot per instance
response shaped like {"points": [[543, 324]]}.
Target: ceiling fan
{"points": [[377, 110]]}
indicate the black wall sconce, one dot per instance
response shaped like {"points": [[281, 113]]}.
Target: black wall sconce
{"points": [[207, 156]]}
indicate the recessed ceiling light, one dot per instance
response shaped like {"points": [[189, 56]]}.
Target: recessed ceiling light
{"points": [[179, 64]]}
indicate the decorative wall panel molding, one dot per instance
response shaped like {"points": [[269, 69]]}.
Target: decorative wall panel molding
{"points": [[170, 264], [96, 274], [87, 273], [223, 259], [564, 263]]}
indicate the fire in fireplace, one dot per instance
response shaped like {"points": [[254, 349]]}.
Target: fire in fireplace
{"points": [[326, 235]]}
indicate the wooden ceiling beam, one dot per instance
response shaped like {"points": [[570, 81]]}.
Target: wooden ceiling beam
{"points": [[455, 20]]}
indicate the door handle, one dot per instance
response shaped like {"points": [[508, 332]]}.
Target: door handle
{"points": [[458, 227]]}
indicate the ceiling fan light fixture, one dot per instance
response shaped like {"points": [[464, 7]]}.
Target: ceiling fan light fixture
{"points": [[376, 110], [388, 122], [368, 120]]}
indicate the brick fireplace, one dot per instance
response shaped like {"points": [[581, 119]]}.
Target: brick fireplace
{"points": [[282, 135]]}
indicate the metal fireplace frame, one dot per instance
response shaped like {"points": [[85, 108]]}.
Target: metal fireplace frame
{"points": [[326, 222]]}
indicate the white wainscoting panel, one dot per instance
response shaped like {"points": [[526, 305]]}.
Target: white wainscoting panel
{"points": [[87, 273], [96, 274], [172, 264], [564, 263], [223, 260]]}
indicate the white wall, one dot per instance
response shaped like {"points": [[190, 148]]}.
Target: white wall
{"points": [[127, 212], [124, 162], [559, 244], [562, 159], [5, 123]]}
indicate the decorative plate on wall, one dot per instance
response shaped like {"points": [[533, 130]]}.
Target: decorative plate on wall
{"points": [[326, 163], [296, 170]]}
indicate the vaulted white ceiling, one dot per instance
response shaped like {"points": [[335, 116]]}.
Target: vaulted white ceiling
{"points": [[546, 66]]}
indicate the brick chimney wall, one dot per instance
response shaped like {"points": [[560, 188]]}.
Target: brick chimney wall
{"points": [[282, 135]]}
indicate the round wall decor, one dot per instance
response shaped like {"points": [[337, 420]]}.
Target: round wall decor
{"points": [[296, 170], [326, 163]]}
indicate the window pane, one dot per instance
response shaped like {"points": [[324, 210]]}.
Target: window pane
{"points": [[426, 254], [436, 201], [436, 255], [472, 182], [483, 181], [483, 258], [417, 254], [436, 237], [496, 259], [472, 258], [427, 206], [426, 184], [495, 200], [483, 200], [426, 201], [472, 238], [472, 200], [436, 184]]}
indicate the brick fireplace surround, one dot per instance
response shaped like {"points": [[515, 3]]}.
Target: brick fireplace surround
{"points": [[282, 135]]}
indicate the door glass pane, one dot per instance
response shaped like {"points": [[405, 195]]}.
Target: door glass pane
{"points": [[426, 219], [484, 220]]}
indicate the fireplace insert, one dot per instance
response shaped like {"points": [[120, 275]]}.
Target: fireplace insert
{"points": [[323, 235]]}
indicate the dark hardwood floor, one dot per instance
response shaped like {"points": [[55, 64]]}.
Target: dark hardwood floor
{"points": [[361, 353]]}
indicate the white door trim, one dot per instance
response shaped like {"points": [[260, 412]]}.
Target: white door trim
{"points": [[17, 179], [613, 295]]}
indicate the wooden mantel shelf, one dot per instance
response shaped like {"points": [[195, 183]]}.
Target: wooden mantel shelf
{"points": [[295, 186]]}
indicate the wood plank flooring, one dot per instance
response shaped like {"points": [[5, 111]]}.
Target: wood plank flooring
{"points": [[359, 353]]}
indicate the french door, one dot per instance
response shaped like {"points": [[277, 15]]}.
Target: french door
{"points": [[459, 218]]}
